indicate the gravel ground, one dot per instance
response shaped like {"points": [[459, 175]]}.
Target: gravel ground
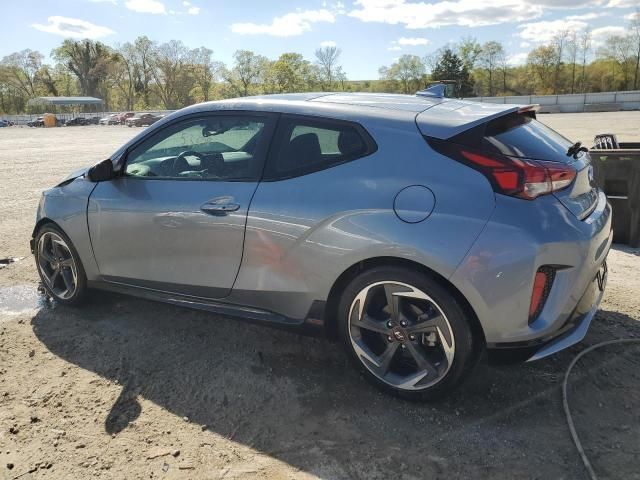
{"points": [[125, 388]]}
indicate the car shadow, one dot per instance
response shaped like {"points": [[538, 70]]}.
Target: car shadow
{"points": [[297, 399]]}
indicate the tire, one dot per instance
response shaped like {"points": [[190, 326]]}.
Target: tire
{"points": [[70, 268], [422, 354]]}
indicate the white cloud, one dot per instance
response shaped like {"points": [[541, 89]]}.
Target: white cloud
{"points": [[413, 41], [632, 16], [585, 16], [622, 3], [73, 27], [599, 35], [525, 44], [146, 6], [470, 13], [517, 58], [115, 2], [543, 32], [288, 25], [193, 10], [394, 48]]}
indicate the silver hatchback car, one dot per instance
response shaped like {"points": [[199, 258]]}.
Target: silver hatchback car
{"points": [[418, 231]]}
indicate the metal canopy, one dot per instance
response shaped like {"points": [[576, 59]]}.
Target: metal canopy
{"points": [[65, 101]]}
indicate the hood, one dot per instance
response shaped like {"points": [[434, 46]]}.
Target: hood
{"points": [[72, 176]]}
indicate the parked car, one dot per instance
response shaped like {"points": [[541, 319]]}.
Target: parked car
{"points": [[142, 120], [93, 121], [417, 231], [5, 123], [77, 121], [122, 118], [110, 120], [38, 122]]}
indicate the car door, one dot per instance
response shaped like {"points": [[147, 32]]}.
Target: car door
{"points": [[174, 218]]}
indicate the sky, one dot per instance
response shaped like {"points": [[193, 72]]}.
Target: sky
{"points": [[370, 33]]}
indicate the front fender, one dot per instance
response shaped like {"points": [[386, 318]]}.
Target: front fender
{"points": [[66, 206]]}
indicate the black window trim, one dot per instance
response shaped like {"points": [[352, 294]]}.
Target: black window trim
{"points": [[270, 175], [264, 147]]}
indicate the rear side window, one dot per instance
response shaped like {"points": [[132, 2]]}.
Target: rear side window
{"points": [[522, 136], [518, 135], [304, 145]]}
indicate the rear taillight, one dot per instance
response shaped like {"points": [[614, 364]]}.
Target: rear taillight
{"points": [[541, 288], [516, 177]]}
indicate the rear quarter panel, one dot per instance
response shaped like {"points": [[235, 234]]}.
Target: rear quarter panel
{"points": [[303, 233]]}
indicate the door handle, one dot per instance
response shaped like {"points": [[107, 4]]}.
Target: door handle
{"points": [[219, 208]]}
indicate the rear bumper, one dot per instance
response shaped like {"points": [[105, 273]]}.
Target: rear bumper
{"points": [[572, 332], [497, 275]]}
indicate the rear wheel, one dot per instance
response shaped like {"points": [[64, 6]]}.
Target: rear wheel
{"points": [[406, 333], [59, 266]]}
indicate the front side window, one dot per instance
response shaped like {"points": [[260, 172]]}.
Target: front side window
{"points": [[217, 147], [304, 145]]}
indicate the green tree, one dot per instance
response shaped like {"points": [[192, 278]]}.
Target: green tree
{"points": [[172, 74], [88, 60], [449, 66], [21, 70], [291, 73], [409, 71], [248, 70], [541, 62], [205, 70]]}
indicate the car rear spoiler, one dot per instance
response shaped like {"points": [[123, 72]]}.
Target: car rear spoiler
{"points": [[451, 117]]}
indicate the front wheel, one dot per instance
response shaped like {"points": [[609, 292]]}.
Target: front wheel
{"points": [[406, 332], [59, 266]]}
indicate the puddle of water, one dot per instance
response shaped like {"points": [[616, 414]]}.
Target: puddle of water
{"points": [[20, 299]]}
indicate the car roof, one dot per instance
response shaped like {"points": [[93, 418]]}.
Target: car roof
{"points": [[434, 116], [337, 100]]}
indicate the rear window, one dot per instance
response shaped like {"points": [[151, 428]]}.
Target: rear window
{"points": [[519, 135], [523, 136], [305, 145]]}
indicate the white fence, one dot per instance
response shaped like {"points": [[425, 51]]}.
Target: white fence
{"points": [[24, 119], [605, 101]]}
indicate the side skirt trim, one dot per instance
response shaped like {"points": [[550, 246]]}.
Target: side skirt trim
{"points": [[309, 325]]}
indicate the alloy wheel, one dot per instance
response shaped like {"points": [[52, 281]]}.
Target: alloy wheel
{"points": [[401, 335], [57, 266]]}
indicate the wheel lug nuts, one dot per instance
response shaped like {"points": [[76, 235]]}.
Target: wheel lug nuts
{"points": [[403, 346], [403, 323], [389, 324], [412, 337], [390, 338]]}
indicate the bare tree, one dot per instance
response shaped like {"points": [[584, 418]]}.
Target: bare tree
{"points": [[489, 59], [559, 43], [572, 53], [123, 73], [585, 48], [634, 25], [327, 60]]}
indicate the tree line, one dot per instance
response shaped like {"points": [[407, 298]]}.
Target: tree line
{"points": [[147, 75]]}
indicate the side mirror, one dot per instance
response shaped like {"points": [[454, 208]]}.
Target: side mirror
{"points": [[101, 172]]}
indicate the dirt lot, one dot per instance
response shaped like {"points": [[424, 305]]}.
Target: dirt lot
{"points": [[125, 388]]}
